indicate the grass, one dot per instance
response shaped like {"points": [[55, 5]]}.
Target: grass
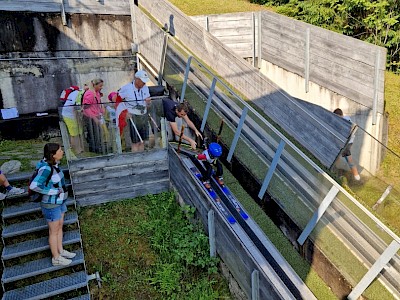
{"points": [[205, 7], [145, 248]]}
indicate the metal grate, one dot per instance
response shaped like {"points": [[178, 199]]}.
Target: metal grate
{"points": [[36, 267], [49, 288]]}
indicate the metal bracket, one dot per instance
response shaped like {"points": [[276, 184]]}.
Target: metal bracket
{"points": [[97, 277], [63, 16]]}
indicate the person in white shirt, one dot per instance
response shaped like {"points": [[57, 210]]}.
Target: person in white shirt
{"points": [[69, 113], [136, 98]]}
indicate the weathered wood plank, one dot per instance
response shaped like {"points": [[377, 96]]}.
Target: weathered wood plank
{"points": [[132, 192], [344, 44], [118, 171], [117, 184], [117, 160]]}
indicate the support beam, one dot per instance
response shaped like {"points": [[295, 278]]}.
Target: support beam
{"points": [[271, 169], [376, 268], [237, 134], [211, 233], [318, 214]]}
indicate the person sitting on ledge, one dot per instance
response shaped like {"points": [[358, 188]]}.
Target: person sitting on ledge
{"points": [[10, 190]]}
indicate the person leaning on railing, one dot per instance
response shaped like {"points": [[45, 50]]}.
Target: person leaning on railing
{"points": [[136, 97], [173, 110], [93, 115]]}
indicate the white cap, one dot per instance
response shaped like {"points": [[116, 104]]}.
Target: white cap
{"points": [[142, 75]]}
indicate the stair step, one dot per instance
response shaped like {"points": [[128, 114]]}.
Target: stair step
{"points": [[34, 225], [37, 245], [26, 208], [49, 288], [36, 267], [82, 297]]}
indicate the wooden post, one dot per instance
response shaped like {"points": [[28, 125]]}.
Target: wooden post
{"points": [[376, 87], [307, 60], [255, 285], [253, 29], [259, 40], [211, 233]]}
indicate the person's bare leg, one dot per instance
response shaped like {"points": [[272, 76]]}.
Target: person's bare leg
{"points": [[53, 238], [3, 180], [138, 147], [353, 168], [60, 234]]}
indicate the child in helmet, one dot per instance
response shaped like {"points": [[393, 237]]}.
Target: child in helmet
{"points": [[210, 157]]}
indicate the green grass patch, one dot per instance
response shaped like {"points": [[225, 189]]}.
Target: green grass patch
{"points": [[205, 7], [146, 248]]}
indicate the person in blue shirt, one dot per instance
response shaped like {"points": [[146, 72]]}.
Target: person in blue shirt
{"points": [[53, 201]]}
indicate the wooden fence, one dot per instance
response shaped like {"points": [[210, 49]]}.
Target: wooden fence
{"points": [[345, 65], [238, 31], [104, 179]]}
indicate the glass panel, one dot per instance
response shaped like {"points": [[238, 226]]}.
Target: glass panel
{"points": [[102, 129]]}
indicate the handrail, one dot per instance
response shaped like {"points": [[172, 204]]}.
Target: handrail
{"points": [[298, 151]]}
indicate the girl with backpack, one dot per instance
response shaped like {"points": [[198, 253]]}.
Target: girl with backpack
{"points": [[53, 202]]}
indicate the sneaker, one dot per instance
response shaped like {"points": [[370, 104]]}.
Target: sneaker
{"points": [[15, 191], [207, 185], [60, 261], [67, 254], [2, 196], [220, 180]]}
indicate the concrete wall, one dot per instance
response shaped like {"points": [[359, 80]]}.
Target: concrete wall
{"points": [[39, 57]]}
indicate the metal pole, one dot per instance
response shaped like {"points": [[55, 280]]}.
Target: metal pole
{"points": [[318, 214], [376, 268], [207, 110], [163, 57], [187, 70], [271, 169], [237, 134]]}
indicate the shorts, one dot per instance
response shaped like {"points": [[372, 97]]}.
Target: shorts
{"points": [[54, 214], [73, 128], [142, 126]]}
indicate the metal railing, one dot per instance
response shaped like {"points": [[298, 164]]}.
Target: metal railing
{"points": [[102, 129], [326, 212]]}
